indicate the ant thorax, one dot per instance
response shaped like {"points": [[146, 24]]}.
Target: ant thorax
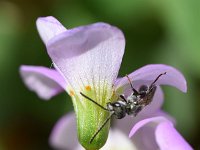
{"points": [[133, 107]]}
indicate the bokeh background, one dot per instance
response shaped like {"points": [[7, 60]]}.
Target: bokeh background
{"points": [[165, 31]]}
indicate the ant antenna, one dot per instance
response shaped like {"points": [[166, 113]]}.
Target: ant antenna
{"points": [[157, 78], [134, 90], [93, 101], [104, 123]]}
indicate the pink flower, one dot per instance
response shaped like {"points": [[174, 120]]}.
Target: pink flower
{"points": [[87, 59]]}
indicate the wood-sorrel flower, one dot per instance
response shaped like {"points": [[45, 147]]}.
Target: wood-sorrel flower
{"points": [[87, 59]]}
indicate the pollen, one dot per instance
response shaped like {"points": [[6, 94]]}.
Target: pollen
{"points": [[88, 88], [71, 93]]}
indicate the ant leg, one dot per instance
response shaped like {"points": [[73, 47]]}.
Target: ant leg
{"points": [[101, 127], [93, 101], [134, 90], [122, 97], [157, 79]]}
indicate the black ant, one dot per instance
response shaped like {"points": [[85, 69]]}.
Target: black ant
{"points": [[131, 105]]}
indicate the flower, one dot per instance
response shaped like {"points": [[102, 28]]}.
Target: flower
{"points": [[87, 59]]}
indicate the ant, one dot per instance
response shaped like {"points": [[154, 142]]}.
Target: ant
{"points": [[131, 105]]}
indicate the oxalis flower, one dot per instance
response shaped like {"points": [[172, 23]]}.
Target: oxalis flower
{"points": [[87, 60]]}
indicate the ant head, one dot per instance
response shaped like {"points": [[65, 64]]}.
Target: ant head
{"points": [[143, 88]]}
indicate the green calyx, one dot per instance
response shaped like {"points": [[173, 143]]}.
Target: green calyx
{"points": [[90, 118]]}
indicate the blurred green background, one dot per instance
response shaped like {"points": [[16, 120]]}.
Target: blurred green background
{"points": [[156, 32]]}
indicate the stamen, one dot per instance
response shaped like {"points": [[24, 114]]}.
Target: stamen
{"points": [[88, 88], [71, 93]]}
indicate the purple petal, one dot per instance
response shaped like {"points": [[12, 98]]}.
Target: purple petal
{"points": [[48, 27], [89, 55], [125, 124], [145, 130], [44, 81], [168, 138], [165, 115], [140, 124], [144, 139], [128, 122], [162, 132], [64, 134], [148, 74]]}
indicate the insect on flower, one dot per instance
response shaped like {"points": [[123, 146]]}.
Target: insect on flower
{"points": [[131, 105], [87, 59]]}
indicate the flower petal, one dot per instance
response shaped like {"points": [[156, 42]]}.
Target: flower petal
{"points": [[128, 122], [163, 133], [145, 130], [89, 55], [117, 140], [64, 134], [48, 27], [165, 115], [144, 139], [168, 138], [154, 121], [44, 81], [150, 72]]}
